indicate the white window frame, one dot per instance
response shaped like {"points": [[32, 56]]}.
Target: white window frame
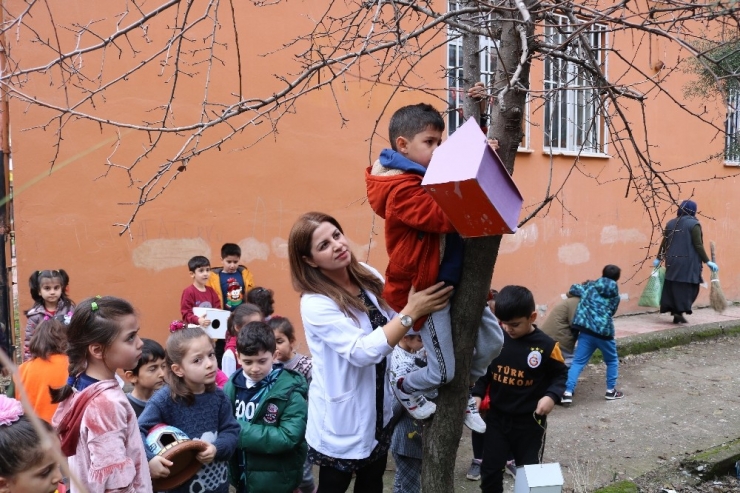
{"points": [[732, 128], [572, 113], [455, 94], [455, 75]]}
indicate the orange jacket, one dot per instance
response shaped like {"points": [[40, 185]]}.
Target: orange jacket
{"points": [[414, 224], [214, 281], [37, 375]]}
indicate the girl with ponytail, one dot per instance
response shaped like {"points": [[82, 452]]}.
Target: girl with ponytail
{"points": [[95, 421]]}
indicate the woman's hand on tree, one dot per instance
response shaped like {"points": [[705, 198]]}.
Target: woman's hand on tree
{"points": [[429, 300]]}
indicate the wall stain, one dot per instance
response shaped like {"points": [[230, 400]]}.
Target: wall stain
{"points": [[161, 254]]}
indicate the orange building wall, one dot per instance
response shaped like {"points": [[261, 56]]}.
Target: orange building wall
{"points": [[65, 219]]}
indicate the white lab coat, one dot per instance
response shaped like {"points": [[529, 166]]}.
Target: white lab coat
{"points": [[341, 407]]}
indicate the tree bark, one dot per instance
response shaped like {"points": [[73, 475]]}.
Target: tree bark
{"points": [[506, 119], [442, 433]]}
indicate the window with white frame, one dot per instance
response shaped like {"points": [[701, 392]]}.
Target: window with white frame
{"points": [[488, 63], [488, 59], [732, 127], [574, 119]]}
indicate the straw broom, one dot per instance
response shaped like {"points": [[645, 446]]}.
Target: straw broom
{"points": [[716, 296]]}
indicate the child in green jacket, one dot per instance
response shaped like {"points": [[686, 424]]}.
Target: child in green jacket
{"points": [[270, 406]]}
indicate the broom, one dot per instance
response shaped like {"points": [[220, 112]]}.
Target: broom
{"points": [[716, 296]]}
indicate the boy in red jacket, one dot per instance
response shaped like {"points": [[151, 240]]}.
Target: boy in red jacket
{"points": [[198, 294], [423, 248]]}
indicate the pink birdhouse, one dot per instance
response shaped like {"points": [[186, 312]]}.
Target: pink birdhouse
{"points": [[471, 185]]}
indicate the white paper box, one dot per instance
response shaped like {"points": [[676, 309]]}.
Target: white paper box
{"points": [[218, 318], [539, 478]]}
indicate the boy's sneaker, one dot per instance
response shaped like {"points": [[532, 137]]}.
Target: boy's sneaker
{"points": [[474, 471], [417, 405], [472, 417], [613, 394], [511, 468], [567, 398]]}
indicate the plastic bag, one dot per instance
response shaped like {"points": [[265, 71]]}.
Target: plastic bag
{"points": [[653, 289]]}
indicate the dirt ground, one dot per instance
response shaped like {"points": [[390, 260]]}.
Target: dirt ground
{"points": [[677, 401]]}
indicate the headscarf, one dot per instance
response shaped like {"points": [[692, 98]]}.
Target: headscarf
{"points": [[687, 207]]}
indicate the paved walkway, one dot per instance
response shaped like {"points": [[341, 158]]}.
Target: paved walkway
{"points": [[631, 325]]}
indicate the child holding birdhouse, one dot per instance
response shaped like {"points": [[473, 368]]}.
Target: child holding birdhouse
{"points": [[423, 249]]}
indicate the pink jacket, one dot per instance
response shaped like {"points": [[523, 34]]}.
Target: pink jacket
{"points": [[110, 454], [38, 314], [221, 379]]}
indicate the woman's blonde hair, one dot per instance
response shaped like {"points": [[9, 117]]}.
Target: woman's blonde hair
{"points": [[307, 279]]}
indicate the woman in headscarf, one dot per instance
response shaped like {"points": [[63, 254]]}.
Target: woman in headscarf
{"points": [[682, 249]]}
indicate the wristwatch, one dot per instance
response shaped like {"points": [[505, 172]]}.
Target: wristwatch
{"points": [[406, 321]]}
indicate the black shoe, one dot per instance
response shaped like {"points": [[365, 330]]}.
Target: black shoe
{"points": [[511, 468], [679, 319], [614, 394]]}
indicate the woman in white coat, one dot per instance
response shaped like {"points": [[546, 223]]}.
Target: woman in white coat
{"points": [[351, 332]]}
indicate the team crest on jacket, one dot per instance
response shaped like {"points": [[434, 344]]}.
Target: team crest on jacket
{"points": [[271, 414], [534, 359]]}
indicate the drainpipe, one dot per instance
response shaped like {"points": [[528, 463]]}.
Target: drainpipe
{"points": [[11, 325], [5, 325]]}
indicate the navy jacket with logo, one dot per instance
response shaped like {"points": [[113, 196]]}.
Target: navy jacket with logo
{"points": [[528, 368]]}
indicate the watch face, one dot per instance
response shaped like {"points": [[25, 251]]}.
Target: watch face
{"points": [[406, 321]]}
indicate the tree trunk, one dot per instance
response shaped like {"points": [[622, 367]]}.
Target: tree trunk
{"points": [[442, 433], [506, 119]]}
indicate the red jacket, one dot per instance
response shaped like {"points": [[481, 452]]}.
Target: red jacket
{"points": [[414, 224], [192, 297]]}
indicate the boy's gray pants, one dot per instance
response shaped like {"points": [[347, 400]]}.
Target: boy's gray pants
{"points": [[437, 338]]}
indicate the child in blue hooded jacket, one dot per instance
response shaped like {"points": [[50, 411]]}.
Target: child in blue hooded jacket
{"points": [[593, 321]]}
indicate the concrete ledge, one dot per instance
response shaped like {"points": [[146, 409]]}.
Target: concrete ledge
{"points": [[716, 461], [677, 336], [702, 466]]}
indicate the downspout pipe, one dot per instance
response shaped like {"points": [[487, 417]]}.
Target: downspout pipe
{"points": [[9, 318]]}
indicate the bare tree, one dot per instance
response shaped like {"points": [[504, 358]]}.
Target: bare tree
{"points": [[176, 44]]}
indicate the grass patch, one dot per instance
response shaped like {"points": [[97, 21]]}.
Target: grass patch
{"points": [[620, 487]]}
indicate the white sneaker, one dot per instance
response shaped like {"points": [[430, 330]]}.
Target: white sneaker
{"points": [[567, 398], [417, 405], [473, 419]]}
